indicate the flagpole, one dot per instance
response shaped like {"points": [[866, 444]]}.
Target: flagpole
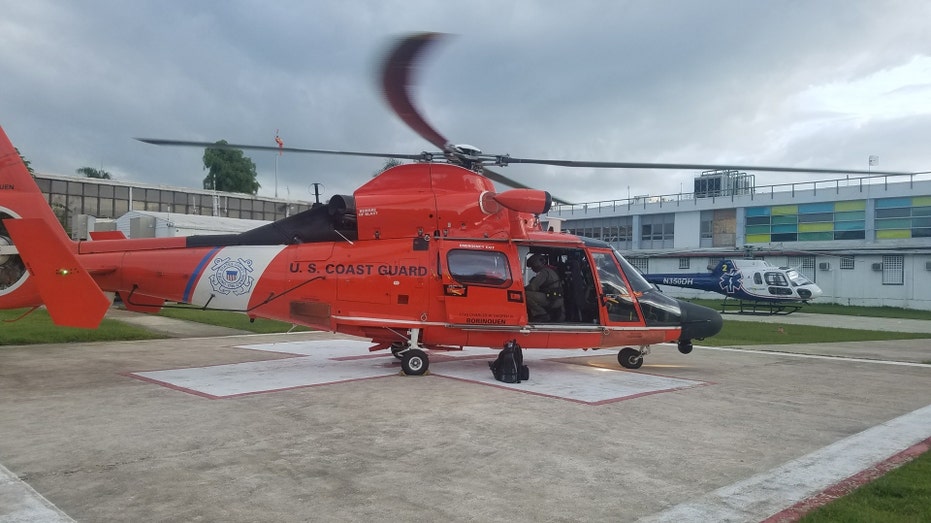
{"points": [[276, 176]]}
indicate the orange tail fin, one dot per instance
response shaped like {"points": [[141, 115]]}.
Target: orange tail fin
{"points": [[37, 259]]}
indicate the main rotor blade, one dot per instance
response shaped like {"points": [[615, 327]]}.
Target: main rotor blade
{"points": [[690, 166], [504, 180], [396, 81], [213, 145]]}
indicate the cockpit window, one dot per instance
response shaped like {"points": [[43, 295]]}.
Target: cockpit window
{"points": [[479, 267], [797, 278], [637, 282], [776, 278]]}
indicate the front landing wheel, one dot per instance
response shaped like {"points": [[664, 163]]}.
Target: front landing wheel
{"points": [[414, 362], [630, 358]]}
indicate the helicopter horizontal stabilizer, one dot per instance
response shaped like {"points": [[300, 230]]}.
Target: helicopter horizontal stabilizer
{"points": [[69, 293]]}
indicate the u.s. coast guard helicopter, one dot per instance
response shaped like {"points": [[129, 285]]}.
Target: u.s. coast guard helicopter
{"points": [[427, 256]]}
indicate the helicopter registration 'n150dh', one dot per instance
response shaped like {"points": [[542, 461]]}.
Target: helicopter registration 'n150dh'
{"points": [[755, 285], [425, 256]]}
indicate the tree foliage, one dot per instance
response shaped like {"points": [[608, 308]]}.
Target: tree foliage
{"points": [[90, 172], [389, 163], [230, 170], [25, 162]]}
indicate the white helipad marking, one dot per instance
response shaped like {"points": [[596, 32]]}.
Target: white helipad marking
{"points": [[20, 503], [763, 495], [334, 361]]}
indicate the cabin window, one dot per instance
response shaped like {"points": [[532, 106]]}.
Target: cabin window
{"points": [[487, 268], [776, 278], [757, 278]]}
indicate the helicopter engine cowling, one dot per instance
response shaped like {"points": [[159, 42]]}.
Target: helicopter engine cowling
{"points": [[532, 201]]}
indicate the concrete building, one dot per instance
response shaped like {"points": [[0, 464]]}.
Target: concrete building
{"points": [[864, 240], [81, 203]]}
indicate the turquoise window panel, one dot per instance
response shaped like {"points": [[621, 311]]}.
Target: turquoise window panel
{"points": [[921, 211], [888, 203], [815, 236], [816, 217], [894, 224], [758, 229], [811, 208], [851, 215], [789, 227], [854, 225], [757, 211]]}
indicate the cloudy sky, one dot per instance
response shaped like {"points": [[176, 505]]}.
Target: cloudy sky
{"points": [[789, 83]]}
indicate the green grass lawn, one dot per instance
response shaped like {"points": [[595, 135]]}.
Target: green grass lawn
{"points": [[847, 310], [902, 495], [740, 333], [37, 327]]}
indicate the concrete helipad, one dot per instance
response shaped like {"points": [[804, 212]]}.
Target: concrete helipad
{"points": [[312, 427]]}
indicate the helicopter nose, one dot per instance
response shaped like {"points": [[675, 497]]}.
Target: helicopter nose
{"points": [[699, 322]]}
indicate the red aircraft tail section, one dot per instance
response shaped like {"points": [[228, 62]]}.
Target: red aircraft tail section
{"points": [[67, 290], [37, 259]]}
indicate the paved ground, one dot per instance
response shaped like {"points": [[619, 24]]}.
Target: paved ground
{"points": [[764, 430]]}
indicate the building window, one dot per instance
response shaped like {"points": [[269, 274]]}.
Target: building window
{"points": [[846, 262], [804, 265], [894, 270], [844, 220], [684, 263], [902, 218], [641, 264], [657, 231]]}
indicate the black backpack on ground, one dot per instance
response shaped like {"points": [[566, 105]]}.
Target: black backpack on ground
{"points": [[509, 365]]}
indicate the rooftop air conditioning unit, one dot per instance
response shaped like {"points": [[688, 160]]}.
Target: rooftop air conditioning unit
{"points": [[824, 266], [877, 267]]}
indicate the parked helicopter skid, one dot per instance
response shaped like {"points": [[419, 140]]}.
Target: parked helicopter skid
{"points": [[426, 256]]}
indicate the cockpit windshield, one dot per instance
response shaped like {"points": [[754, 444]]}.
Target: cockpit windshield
{"points": [[797, 278], [658, 309], [637, 282]]}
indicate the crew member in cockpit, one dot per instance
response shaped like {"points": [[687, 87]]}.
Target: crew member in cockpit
{"points": [[544, 292]]}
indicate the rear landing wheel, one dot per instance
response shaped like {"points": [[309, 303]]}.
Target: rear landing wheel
{"points": [[414, 362], [630, 358], [685, 346]]}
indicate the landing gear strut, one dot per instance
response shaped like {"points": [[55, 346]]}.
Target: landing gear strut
{"points": [[414, 361], [631, 358]]}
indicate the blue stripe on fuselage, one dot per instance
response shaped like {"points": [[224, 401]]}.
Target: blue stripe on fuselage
{"points": [[192, 281]]}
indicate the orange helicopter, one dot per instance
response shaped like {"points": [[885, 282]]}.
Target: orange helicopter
{"points": [[426, 256]]}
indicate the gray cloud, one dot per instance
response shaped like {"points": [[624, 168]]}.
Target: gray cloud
{"points": [[672, 81]]}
